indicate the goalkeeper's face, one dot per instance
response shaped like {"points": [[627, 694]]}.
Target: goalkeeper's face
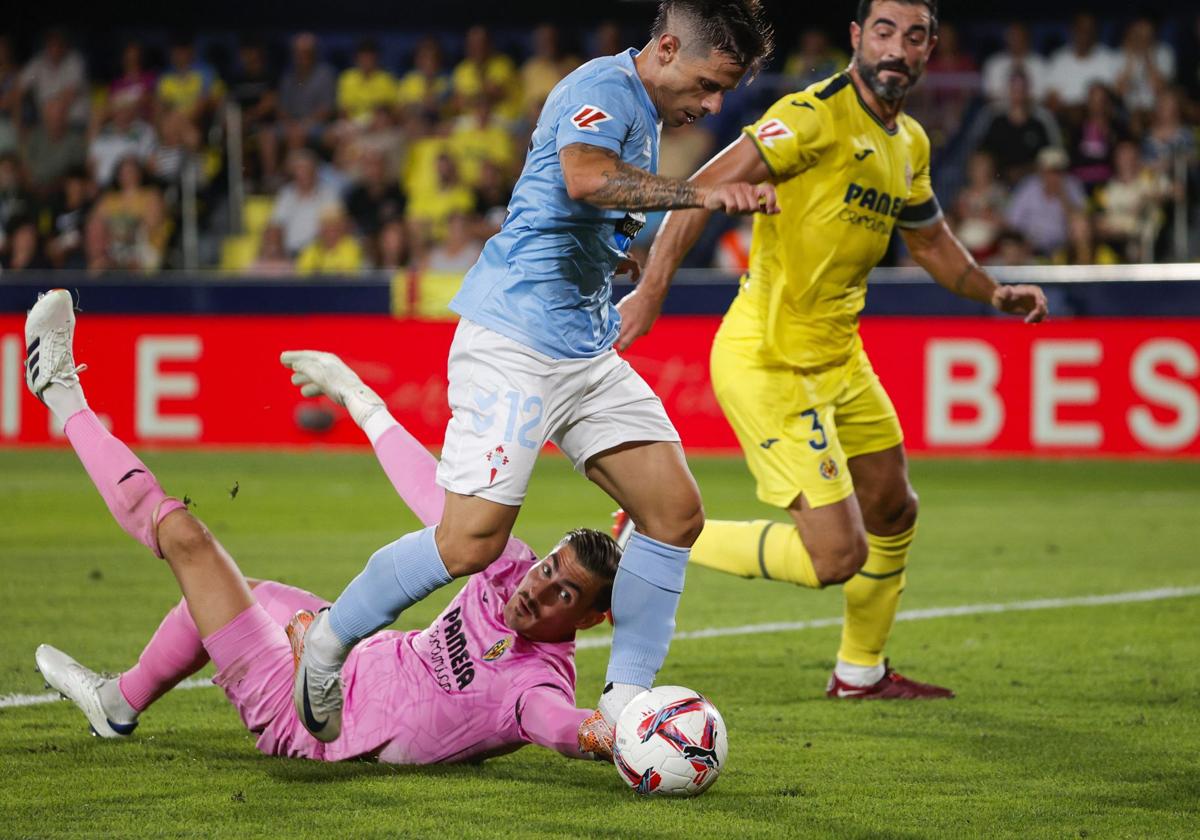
{"points": [[555, 599], [693, 83]]}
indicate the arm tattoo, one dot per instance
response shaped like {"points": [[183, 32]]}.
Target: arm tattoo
{"points": [[626, 187], [630, 188]]}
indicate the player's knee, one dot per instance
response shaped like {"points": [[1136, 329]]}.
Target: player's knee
{"points": [[184, 539], [912, 506], [901, 513], [690, 526], [466, 554], [893, 513], [839, 563], [679, 525]]}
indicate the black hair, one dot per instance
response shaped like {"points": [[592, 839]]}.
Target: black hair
{"points": [[738, 28], [864, 11], [598, 553]]}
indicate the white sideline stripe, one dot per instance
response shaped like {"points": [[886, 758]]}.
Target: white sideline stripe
{"points": [[11, 701], [934, 612]]}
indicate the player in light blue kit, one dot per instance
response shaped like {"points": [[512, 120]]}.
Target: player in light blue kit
{"points": [[532, 360]]}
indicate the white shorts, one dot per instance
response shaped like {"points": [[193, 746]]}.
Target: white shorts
{"points": [[507, 400]]}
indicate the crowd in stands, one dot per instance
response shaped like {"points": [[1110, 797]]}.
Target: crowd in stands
{"points": [[373, 156], [1083, 155]]}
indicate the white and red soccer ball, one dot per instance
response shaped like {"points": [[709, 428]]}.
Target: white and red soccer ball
{"points": [[670, 741]]}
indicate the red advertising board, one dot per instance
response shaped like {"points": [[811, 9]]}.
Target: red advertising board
{"points": [[1086, 386]]}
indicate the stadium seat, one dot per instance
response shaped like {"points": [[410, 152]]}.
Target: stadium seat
{"points": [[239, 252], [256, 213]]}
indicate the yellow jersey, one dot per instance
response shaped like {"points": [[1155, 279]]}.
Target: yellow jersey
{"points": [[346, 257], [473, 143], [469, 80], [415, 89], [184, 89], [844, 181], [359, 94]]}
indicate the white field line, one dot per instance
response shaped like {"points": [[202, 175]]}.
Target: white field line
{"points": [[934, 612], [9, 701]]}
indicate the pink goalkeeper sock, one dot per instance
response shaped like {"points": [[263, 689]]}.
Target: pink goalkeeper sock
{"points": [[173, 653], [412, 471], [129, 489]]}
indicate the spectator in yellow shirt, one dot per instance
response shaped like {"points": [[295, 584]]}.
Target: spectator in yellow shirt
{"points": [[430, 208], [543, 70], [426, 88], [491, 73], [335, 250], [366, 86], [189, 85], [480, 135]]}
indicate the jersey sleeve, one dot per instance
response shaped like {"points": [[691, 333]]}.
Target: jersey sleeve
{"points": [[546, 716], [792, 135], [598, 112], [922, 208]]}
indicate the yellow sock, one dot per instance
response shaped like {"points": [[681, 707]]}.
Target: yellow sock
{"points": [[872, 597], [762, 548]]}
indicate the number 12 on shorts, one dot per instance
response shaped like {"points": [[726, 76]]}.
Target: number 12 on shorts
{"points": [[817, 428], [529, 410]]}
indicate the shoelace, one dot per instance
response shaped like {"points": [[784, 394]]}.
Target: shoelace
{"points": [[59, 342], [328, 682], [90, 678]]}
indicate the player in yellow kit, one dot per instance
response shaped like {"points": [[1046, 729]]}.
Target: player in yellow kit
{"points": [[819, 432]]}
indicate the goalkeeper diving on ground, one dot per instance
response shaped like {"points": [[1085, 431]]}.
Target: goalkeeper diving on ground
{"points": [[493, 672]]}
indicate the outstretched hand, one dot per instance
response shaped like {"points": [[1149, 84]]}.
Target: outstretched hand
{"points": [[596, 737], [742, 198], [311, 371], [1022, 299]]}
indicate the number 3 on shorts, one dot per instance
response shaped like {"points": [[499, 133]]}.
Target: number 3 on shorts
{"points": [[817, 429]]}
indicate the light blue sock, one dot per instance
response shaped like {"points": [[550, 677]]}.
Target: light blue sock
{"points": [[396, 577], [645, 597]]}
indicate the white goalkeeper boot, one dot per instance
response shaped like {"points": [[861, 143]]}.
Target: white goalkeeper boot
{"points": [[49, 339], [82, 687], [317, 684]]}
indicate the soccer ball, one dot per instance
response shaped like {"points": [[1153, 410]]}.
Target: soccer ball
{"points": [[670, 741]]}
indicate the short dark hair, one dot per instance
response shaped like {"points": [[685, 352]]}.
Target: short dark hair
{"points": [[738, 28], [864, 11], [598, 553]]}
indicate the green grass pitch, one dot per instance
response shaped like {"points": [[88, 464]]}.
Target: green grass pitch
{"points": [[1070, 722]]}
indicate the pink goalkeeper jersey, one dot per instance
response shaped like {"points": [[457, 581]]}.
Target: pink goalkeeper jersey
{"points": [[450, 692]]}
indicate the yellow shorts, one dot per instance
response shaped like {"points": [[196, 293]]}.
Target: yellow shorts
{"points": [[798, 429]]}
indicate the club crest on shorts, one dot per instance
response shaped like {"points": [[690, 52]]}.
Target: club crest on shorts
{"points": [[497, 650], [829, 469], [497, 459]]}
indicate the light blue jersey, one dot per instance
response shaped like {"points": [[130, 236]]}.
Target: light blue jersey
{"points": [[545, 280]]}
